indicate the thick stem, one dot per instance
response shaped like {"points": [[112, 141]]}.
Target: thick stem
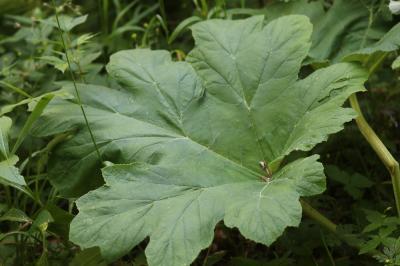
{"points": [[377, 145], [318, 217]]}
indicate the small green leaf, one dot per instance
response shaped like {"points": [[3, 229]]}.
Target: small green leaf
{"points": [[83, 39], [5, 126], [9, 174], [354, 184], [396, 63], [67, 23], [386, 231], [370, 245], [42, 221], [62, 220], [55, 62], [33, 101], [15, 215], [185, 24], [36, 112]]}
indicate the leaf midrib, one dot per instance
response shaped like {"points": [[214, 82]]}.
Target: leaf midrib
{"points": [[252, 172]]}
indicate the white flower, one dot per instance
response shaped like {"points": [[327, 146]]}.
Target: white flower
{"points": [[394, 7]]}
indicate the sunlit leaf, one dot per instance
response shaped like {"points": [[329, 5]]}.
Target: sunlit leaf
{"points": [[187, 140]]}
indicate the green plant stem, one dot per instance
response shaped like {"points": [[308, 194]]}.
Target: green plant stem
{"points": [[318, 217], [204, 8], [105, 11], [78, 97], [14, 88], [332, 261], [370, 21], [146, 33], [162, 9], [377, 63], [380, 149]]}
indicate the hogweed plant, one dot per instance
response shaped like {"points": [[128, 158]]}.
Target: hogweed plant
{"points": [[198, 142], [164, 151]]}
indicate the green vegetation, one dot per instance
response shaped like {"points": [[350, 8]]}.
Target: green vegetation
{"points": [[199, 132]]}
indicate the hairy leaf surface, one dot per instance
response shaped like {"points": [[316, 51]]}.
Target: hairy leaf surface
{"points": [[187, 139]]}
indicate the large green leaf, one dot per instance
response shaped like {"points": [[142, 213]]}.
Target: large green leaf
{"points": [[388, 43], [342, 29], [178, 207], [192, 135]]}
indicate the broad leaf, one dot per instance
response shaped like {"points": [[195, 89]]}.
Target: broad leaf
{"points": [[192, 135], [344, 29], [388, 43], [341, 30], [373, 54]]}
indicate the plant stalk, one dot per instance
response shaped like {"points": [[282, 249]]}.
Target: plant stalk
{"points": [[204, 8], [318, 217], [15, 88], [380, 149], [78, 97]]}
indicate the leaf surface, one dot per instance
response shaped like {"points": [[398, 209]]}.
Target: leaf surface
{"points": [[9, 174], [339, 31], [390, 42], [5, 126], [187, 138]]}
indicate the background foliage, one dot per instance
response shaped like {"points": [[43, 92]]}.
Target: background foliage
{"points": [[35, 218]]}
